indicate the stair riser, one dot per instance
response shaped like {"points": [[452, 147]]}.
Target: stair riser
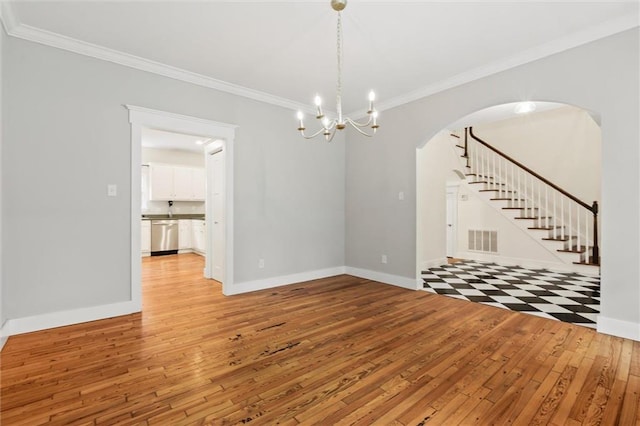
{"points": [[499, 196]]}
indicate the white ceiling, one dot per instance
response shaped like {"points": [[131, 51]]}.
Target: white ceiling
{"points": [[160, 139], [284, 51]]}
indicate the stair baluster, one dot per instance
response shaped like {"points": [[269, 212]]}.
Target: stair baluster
{"points": [[536, 198]]}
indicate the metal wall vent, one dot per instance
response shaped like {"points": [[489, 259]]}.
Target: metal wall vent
{"points": [[482, 240]]}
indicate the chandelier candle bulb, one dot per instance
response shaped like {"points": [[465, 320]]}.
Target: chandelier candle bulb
{"points": [[372, 97], [300, 116], [318, 102]]}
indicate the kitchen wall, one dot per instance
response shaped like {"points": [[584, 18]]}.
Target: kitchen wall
{"points": [[175, 157], [601, 76]]}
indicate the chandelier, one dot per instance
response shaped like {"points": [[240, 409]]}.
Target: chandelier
{"points": [[328, 126]]}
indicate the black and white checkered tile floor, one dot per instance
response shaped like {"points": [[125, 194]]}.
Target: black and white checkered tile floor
{"points": [[568, 297]]}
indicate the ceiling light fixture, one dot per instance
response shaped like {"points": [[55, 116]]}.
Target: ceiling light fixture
{"points": [[525, 107], [329, 126]]}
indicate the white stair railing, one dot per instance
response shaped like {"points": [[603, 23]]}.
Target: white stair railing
{"points": [[565, 217]]}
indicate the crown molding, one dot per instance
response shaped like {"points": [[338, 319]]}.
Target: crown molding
{"points": [[576, 39], [8, 18], [15, 28]]}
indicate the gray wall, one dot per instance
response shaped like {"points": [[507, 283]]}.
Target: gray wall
{"points": [[3, 37], [66, 134], [601, 76], [66, 244]]}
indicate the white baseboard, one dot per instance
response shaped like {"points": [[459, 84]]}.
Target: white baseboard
{"points": [[255, 285], [3, 335], [404, 282], [426, 264], [62, 318], [619, 328], [528, 263]]}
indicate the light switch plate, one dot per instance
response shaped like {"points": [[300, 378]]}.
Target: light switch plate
{"points": [[112, 190]]}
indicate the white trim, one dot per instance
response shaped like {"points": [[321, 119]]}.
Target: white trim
{"points": [[3, 338], [426, 264], [398, 281], [4, 335], [48, 38], [272, 282], [16, 29], [140, 117], [8, 18], [498, 259], [605, 29], [62, 318], [616, 327]]}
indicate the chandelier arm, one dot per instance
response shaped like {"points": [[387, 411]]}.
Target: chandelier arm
{"points": [[362, 132], [313, 135], [359, 124], [331, 125], [332, 135]]}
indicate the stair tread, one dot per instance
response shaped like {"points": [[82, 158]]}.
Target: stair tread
{"points": [[486, 182], [520, 208], [459, 146], [454, 135], [494, 190], [544, 228], [586, 263], [561, 239], [573, 250], [506, 199], [532, 217]]}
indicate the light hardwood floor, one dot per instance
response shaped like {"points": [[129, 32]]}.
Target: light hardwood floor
{"points": [[340, 350]]}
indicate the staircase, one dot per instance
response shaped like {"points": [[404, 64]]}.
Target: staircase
{"points": [[562, 223]]}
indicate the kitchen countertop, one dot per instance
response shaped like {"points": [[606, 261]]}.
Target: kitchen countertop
{"points": [[175, 216]]}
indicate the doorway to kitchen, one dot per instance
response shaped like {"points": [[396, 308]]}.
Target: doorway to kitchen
{"points": [[222, 135]]}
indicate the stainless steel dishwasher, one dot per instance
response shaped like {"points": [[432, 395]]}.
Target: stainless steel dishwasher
{"points": [[164, 236]]}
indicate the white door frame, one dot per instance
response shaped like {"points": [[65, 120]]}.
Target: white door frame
{"points": [[452, 192], [140, 118], [214, 148]]}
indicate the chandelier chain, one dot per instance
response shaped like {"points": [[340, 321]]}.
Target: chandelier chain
{"points": [[339, 57]]}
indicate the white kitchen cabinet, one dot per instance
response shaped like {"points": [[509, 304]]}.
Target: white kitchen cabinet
{"points": [[160, 182], [199, 179], [176, 183], [199, 236], [145, 237], [182, 183], [184, 234]]}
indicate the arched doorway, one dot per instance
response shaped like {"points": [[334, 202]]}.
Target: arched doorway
{"points": [[505, 219]]}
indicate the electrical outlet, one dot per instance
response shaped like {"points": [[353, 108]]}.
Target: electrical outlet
{"points": [[260, 263], [384, 258], [401, 196]]}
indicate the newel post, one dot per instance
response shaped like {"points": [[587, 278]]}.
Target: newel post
{"points": [[596, 249], [466, 152]]}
